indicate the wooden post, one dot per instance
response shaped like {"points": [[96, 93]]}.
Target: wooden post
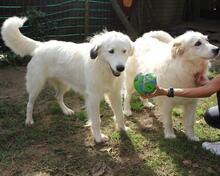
{"points": [[131, 31]]}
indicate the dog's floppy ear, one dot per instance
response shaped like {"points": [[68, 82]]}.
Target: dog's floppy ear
{"points": [[94, 52], [177, 49]]}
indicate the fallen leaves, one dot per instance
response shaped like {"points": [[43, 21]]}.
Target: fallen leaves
{"points": [[210, 170], [189, 163], [108, 149], [101, 169]]}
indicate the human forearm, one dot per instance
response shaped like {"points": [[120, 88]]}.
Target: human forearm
{"points": [[199, 92]]}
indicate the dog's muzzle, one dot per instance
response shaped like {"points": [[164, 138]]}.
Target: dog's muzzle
{"points": [[115, 73], [120, 68], [215, 51]]}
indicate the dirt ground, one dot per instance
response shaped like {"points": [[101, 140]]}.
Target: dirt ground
{"points": [[12, 82], [62, 146], [13, 96]]}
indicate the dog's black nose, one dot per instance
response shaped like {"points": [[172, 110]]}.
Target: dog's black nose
{"points": [[215, 51], [120, 68]]}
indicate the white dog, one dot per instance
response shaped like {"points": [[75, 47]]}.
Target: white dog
{"points": [[176, 62], [93, 69]]}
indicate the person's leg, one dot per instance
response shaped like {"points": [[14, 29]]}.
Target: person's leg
{"points": [[213, 147], [212, 116], [218, 100]]}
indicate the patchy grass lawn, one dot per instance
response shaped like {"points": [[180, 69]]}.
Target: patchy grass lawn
{"points": [[61, 145]]}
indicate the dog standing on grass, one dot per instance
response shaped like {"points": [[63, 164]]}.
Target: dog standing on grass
{"points": [[177, 62], [93, 69]]}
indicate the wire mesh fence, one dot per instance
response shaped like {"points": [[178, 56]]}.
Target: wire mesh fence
{"points": [[69, 20]]}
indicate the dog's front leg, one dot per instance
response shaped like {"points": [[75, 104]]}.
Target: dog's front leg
{"points": [[189, 120], [127, 101], [116, 105], [129, 89], [166, 110], [92, 105]]}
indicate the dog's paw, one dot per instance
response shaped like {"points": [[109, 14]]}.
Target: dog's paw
{"points": [[29, 122], [193, 138], [149, 105], [127, 113], [120, 126], [124, 128], [68, 111], [103, 139], [88, 123], [170, 136]]}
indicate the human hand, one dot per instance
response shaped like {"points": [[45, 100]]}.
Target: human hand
{"points": [[200, 79], [158, 92]]}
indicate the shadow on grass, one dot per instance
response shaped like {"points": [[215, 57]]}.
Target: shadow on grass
{"points": [[60, 145], [180, 150], [126, 161], [132, 162]]}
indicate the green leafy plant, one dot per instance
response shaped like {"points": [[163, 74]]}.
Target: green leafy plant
{"points": [[38, 27], [136, 104], [39, 23], [9, 58], [81, 116]]}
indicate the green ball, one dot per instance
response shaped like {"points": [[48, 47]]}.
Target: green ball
{"points": [[145, 84]]}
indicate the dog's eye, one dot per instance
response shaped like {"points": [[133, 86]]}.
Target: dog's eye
{"points": [[198, 43], [124, 51], [111, 51]]}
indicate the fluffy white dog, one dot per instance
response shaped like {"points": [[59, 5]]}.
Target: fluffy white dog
{"points": [[176, 63], [93, 69]]}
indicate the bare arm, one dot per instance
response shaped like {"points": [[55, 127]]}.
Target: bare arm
{"points": [[204, 91]]}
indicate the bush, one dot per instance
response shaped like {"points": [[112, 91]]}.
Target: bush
{"points": [[9, 58], [39, 26]]}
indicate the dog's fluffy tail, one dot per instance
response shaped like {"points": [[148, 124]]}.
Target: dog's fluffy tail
{"points": [[14, 39], [160, 35]]}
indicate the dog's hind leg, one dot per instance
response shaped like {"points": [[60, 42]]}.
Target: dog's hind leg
{"points": [[189, 120], [61, 89], [147, 104], [34, 86], [116, 105]]}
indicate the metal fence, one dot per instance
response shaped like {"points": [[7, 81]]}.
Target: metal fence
{"points": [[68, 20]]}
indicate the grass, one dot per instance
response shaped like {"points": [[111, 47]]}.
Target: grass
{"points": [[61, 145], [136, 104]]}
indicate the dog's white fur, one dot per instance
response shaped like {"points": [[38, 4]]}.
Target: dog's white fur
{"points": [[175, 62], [88, 68]]}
